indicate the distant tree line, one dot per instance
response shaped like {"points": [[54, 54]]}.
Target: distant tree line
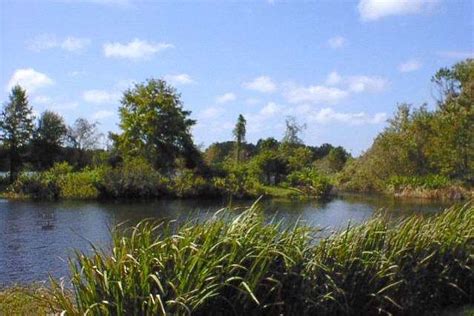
{"points": [[155, 140]]}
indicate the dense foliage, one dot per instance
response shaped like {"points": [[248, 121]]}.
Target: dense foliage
{"points": [[420, 143], [16, 127], [240, 265], [422, 152]]}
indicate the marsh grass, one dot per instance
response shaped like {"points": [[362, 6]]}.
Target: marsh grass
{"points": [[34, 299], [243, 265]]}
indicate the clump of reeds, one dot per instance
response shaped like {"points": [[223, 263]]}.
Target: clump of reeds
{"points": [[242, 265]]}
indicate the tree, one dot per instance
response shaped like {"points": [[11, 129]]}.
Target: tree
{"points": [[84, 135], [155, 125], [293, 129], [48, 138], [269, 143], [239, 134], [16, 126]]}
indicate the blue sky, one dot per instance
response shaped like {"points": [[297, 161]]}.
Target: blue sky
{"points": [[340, 67]]}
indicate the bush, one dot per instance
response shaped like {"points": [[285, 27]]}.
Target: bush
{"points": [[189, 184], [80, 185], [426, 182], [310, 182], [38, 186], [135, 179], [59, 182], [244, 266]]}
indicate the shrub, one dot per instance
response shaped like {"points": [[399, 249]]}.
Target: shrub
{"points": [[189, 184], [80, 185], [426, 182], [310, 182], [37, 186], [244, 266], [136, 178]]}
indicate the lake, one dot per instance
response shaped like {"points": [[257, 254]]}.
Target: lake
{"points": [[37, 237]]}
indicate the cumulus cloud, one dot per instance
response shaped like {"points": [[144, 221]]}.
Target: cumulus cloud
{"points": [[337, 42], [270, 109], [329, 115], [102, 114], [210, 113], [263, 84], [179, 79], [333, 78], [314, 94], [29, 79], [135, 49], [372, 10], [409, 65], [49, 41], [226, 97], [360, 84], [336, 88], [100, 96]]}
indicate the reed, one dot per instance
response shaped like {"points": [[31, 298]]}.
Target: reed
{"points": [[241, 264]]}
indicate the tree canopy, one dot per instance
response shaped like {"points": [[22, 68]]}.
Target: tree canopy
{"points": [[155, 125], [16, 126]]}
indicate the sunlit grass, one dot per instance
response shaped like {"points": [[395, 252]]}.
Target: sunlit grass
{"points": [[239, 264]]}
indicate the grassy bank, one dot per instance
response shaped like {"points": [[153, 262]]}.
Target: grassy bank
{"points": [[240, 264]]}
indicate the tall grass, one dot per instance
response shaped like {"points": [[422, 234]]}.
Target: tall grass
{"points": [[240, 264]]}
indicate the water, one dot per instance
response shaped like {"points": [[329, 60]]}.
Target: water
{"points": [[37, 237]]}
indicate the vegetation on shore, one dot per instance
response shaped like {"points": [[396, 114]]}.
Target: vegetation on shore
{"points": [[241, 264], [424, 153], [421, 153]]}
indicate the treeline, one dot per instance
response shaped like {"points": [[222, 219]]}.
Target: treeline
{"points": [[154, 154], [423, 149]]}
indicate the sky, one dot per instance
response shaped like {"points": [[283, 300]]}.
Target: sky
{"points": [[338, 67]]}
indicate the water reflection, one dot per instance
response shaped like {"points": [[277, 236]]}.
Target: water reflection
{"points": [[37, 237]]}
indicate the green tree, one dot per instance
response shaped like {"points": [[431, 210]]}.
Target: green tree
{"points": [[155, 125], [239, 134], [16, 127], [48, 138]]}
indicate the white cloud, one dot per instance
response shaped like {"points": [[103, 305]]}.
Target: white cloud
{"points": [[337, 42], [48, 41], [226, 97], [29, 79], [73, 43], [270, 109], [179, 79], [252, 101], [409, 65], [371, 10], [329, 115], [136, 49], [333, 78], [210, 113], [360, 84], [102, 114], [314, 94], [263, 84], [100, 96], [335, 89], [456, 54]]}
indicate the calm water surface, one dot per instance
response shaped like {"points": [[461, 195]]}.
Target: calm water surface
{"points": [[37, 237]]}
